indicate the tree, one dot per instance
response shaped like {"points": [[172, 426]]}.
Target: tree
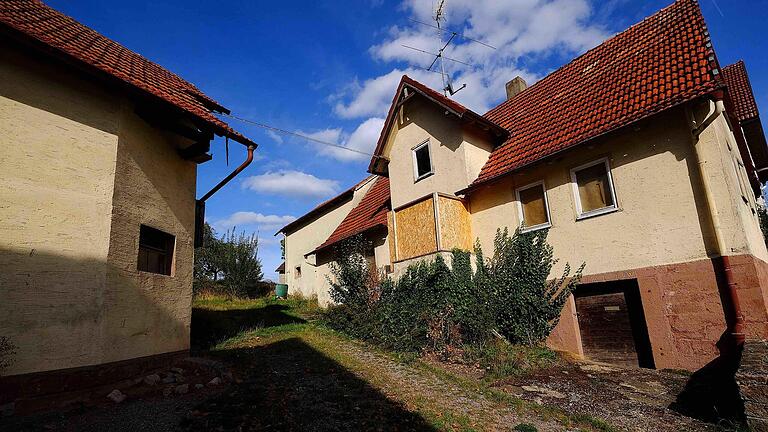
{"points": [[230, 263], [238, 261], [207, 257]]}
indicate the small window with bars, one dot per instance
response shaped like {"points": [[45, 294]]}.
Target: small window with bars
{"points": [[155, 251]]}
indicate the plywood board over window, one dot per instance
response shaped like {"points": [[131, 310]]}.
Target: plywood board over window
{"points": [[415, 229], [455, 225]]}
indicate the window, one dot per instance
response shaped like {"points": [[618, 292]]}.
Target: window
{"points": [[422, 161], [593, 187], [533, 206], [298, 271], [155, 251]]}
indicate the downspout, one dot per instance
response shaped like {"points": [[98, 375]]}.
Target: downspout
{"points": [[200, 204], [736, 324]]}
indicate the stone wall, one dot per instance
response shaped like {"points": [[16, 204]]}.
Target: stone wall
{"points": [[752, 378]]}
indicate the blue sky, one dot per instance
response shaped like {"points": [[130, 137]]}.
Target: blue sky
{"points": [[329, 70]]}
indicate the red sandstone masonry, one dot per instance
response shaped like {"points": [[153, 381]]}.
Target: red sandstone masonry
{"points": [[683, 310]]}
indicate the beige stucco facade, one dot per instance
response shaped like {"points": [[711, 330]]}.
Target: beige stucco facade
{"points": [[661, 234], [306, 272], [81, 172], [457, 153], [661, 218]]}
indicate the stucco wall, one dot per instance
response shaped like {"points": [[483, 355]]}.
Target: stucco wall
{"points": [[148, 313], [450, 148], [71, 295], [306, 239], [661, 218], [59, 141]]}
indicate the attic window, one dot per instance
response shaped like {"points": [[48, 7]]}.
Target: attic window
{"points": [[422, 161], [155, 251]]}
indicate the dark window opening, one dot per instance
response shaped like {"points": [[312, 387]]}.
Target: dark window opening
{"points": [[422, 160], [612, 323], [155, 251]]}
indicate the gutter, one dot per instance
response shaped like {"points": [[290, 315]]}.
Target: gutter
{"points": [[200, 203], [734, 315]]}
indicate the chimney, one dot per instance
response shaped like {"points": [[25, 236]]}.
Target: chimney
{"points": [[515, 86]]}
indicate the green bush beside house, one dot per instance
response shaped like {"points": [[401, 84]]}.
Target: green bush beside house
{"points": [[442, 308]]}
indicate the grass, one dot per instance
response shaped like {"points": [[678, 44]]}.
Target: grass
{"points": [[236, 327]]}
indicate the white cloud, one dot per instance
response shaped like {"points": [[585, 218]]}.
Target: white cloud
{"points": [[527, 28], [275, 137], [291, 183], [247, 218], [363, 140]]}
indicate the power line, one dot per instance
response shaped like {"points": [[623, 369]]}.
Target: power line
{"points": [[298, 135]]}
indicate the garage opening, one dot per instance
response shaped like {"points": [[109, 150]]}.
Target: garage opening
{"points": [[612, 323]]}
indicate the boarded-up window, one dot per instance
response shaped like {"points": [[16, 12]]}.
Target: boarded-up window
{"points": [[534, 211], [594, 188], [422, 163], [155, 251]]}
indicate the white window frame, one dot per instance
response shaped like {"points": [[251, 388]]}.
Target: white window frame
{"points": [[544, 225], [416, 176], [580, 214]]}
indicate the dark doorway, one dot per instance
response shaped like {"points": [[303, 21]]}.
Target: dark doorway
{"points": [[612, 323]]}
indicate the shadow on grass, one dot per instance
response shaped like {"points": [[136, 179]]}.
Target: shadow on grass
{"points": [[288, 385], [210, 327]]}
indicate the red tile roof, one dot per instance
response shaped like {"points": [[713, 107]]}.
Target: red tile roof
{"points": [[663, 61], [369, 213], [740, 90], [452, 106], [51, 29]]}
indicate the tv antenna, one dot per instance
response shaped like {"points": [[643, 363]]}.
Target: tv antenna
{"points": [[440, 56]]}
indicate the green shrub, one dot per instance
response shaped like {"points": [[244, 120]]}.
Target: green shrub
{"points": [[526, 306], [762, 215], [441, 308]]}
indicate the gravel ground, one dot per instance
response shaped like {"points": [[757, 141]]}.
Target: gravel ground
{"points": [[629, 399]]}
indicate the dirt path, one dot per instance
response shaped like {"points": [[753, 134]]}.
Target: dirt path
{"points": [[317, 381]]}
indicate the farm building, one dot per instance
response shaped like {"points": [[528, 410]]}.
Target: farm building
{"points": [[643, 158]]}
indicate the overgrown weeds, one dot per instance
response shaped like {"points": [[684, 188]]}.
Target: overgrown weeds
{"points": [[444, 308]]}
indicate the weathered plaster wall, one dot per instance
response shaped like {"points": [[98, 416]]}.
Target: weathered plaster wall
{"points": [[661, 235], [734, 200], [450, 147], [82, 172], [662, 217], [149, 313], [58, 136], [306, 239]]}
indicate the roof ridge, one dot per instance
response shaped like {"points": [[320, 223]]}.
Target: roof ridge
{"points": [[591, 50], [660, 62]]}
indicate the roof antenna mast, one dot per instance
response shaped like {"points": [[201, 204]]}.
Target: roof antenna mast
{"points": [[439, 16], [439, 56]]}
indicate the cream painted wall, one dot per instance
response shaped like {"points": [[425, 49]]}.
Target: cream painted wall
{"points": [[81, 171], [661, 218], [149, 313], [735, 202], [457, 155], [306, 239]]}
